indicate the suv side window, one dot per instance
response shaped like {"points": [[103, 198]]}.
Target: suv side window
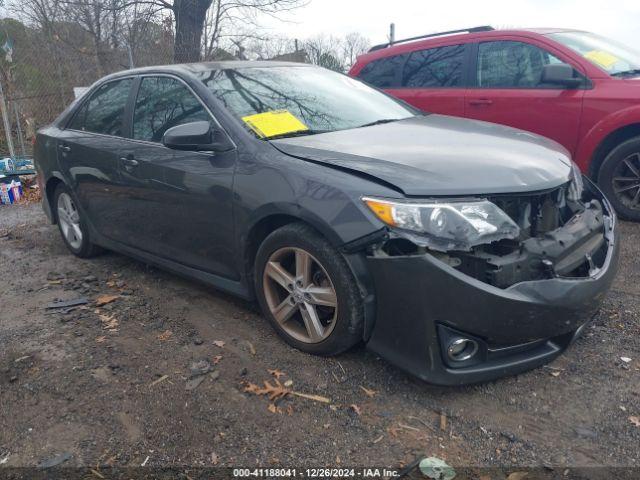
{"points": [[382, 73], [509, 64], [163, 103], [104, 111], [435, 68]]}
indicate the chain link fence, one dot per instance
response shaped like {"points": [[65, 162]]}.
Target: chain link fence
{"points": [[40, 72]]}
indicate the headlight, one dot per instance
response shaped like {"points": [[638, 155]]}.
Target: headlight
{"points": [[448, 224], [576, 187]]}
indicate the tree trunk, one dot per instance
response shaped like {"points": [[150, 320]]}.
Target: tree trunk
{"points": [[190, 17]]}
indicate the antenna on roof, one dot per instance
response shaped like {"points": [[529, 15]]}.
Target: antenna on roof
{"points": [[392, 34]]}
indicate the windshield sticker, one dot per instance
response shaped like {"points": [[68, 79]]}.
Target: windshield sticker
{"points": [[271, 124], [602, 58]]}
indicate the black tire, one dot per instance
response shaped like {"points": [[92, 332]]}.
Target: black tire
{"points": [[85, 249], [348, 328], [614, 166]]}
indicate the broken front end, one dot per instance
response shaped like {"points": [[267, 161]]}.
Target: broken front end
{"points": [[468, 290]]}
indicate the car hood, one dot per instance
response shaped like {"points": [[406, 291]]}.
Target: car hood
{"points": [[440, 155]]}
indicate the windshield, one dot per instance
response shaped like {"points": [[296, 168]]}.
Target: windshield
{"points": [[614, 57], [276, 102]]}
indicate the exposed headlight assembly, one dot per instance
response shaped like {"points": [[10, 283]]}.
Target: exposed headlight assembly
{"points": [[448, 224], [576, 187]]}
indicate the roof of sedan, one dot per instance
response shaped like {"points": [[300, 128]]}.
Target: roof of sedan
{"points": [[208, 66]]}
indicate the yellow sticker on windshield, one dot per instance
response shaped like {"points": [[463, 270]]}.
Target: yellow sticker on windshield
{"points": [[277, 122], [602, 58]]}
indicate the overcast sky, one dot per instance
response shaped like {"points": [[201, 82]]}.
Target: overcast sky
{"points": [[618, 19]]}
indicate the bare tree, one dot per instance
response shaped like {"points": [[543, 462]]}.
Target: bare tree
{"points": [[354, 45]]}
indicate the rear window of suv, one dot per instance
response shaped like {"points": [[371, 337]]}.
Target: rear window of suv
{"points": [[384, 72], [435, 68]]}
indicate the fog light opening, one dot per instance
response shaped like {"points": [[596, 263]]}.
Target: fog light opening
{"points": [[462, 349]]}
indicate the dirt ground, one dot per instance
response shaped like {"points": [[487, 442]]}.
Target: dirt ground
{"points": [[120, 384]]}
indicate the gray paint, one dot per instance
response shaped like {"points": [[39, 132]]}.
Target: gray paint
{"points": [[440, 155]]}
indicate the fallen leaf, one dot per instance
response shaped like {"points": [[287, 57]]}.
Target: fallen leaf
{"points": [[274, 392], [276, 373], [635, 421], [219, 343], [369, 393], [109, 322], [101, 339], [272, 408], [163, 337], [555, 374], [252, 349], [106, 299], [161, 379], [356, 409], [216, 360], [214, 458]]}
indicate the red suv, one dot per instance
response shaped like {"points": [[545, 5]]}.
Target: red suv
{"points": [[577, 88]]}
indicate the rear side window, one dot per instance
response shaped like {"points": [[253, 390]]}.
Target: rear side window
{"points": [[382, 73], [163, 103], [507, 64], [104, 111], [435, 68]]}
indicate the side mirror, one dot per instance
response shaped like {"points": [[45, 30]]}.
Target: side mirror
{"points": [[196, 137], [560, 74]]}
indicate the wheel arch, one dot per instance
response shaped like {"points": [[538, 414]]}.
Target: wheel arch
{"points": [[277, 218], [49, 191], [274, 218], [609, 143]]}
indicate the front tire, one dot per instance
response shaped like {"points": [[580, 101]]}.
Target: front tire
{"points": [[73, 227], [307, 291], [619, 179]]}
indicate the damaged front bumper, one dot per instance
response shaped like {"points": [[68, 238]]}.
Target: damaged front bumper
{"points": [[425, 303]]}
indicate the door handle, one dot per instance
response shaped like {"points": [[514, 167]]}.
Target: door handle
{"points": [[481, 102], [129, 163], [64, 148]]}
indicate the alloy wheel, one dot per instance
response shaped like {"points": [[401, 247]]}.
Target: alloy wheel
{"points": [[69, 219], [300, 295], [626, 181]]}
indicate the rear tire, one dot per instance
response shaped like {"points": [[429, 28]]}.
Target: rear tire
{"points": [[307, 291], [73, 227], [619, 179]]}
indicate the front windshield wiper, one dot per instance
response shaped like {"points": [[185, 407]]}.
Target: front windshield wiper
{"points": [[299, 133], [379, 122], [632, 72]]}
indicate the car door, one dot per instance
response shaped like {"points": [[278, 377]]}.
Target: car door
{"points": [[433, 80], [179, 202], [88, 152], [508, 90]]}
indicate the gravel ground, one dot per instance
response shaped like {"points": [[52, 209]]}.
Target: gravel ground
{"points": [[120, 384]]}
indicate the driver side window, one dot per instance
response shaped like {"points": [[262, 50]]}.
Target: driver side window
{"points": [[163, 103], [509, 64]]}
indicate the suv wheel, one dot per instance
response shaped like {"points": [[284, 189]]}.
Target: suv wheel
{"points": [[72, 226], [619, 179], [307, 291]]}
